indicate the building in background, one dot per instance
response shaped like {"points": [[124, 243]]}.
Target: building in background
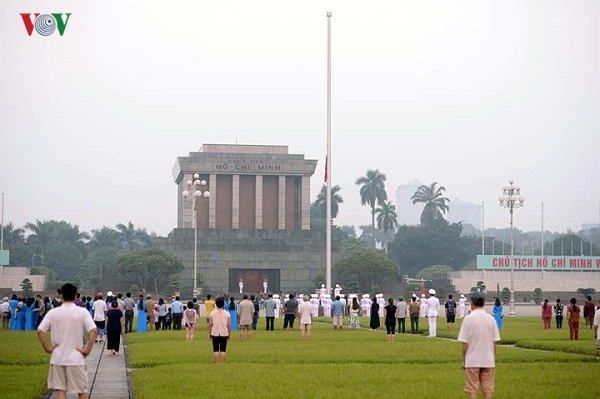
{"points": [[464, 212], [408, 213]]}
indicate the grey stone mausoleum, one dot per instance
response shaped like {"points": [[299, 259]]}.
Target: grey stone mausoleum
{"points": [[255, 226]]}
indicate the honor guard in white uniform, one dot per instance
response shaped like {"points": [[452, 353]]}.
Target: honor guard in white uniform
{"points": [[277, 306], [365, 305], [423, 311], [381, 303], [265, 286], [326, 305], [314, 303], [241, 285], [462, 304], [337, 290], [322, 292], [433, 311]]}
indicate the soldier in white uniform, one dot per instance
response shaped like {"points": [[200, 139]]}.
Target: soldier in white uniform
{"points": [[241, 285], [462, 304], [381, 303], [265, 286], [326, 305], [322, 292], [314, 303], [423, 311], [277, 306], [365, 305], [433, 311], [337, 290]]}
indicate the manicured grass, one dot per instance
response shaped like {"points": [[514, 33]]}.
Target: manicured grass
{"points": [[345, 364], [358, 364]]}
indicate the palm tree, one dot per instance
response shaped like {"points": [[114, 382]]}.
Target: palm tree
{"points": [[42, 234], [13, 236], [105, 237], [387, 220], [336, 200], [372, 191], [435, 203], [131, 238]]}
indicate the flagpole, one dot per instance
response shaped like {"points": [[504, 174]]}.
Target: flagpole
{"points": [[328, 162], [2, 223], [482, 228]]}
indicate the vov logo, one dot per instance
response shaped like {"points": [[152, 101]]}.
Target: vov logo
{"points": [[45, 24]]}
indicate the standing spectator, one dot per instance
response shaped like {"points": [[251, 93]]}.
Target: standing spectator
{"points": [[270, 306], [209, 305], [168, 320], [129, 306], [196, 305], [546, 314], [56, 302], [497, 310], [588, 312], [414, 310], [337, 307], [150, 309], [354, 313], [256, 303], [190, 321], [67, 364], [114, 327], [162, 314], [433, 312], [479, 335], [78, 301], [99, 309], [573, 312], [246, 313], [597, 331], [306, 318], [232, 308], [121, 302], [13, 305], [5, 313], [374, 323], [142, 322], [401, 312], [219, 330], [390, 320], [450, 306], [177, 308], [558, 314], [289, 316]]}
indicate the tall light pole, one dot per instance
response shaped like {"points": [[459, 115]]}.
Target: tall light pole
{"points": [[511, 198], [199, 191]]}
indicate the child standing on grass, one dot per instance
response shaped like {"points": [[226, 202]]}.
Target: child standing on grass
{"points": [[190, 321], [573, 316]]}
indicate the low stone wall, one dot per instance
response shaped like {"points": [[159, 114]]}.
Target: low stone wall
{"points": [[11, 278]]}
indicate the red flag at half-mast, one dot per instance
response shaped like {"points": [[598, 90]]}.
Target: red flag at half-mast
{"points": [[325, 170]]}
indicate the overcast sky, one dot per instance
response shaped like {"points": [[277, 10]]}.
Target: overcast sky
{"points": [[468, 94]]}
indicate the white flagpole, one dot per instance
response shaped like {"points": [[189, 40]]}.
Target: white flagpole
{"points": [[2, 223], [482, 228], [328, 215]]}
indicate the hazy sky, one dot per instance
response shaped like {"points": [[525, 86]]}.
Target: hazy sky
{"points": [[465, 93]]}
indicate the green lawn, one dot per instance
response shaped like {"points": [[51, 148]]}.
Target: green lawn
{"points": [[346, 364]]}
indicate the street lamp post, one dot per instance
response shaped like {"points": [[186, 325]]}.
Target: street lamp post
{"points": [[199, 191], [511, 198]]}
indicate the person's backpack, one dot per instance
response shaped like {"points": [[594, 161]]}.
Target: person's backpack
{"points": [[451, 307]]}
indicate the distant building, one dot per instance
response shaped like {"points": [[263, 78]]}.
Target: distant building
{"points": [[464, 212], [408, 213]]}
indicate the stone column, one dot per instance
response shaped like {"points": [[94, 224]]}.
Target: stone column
{"points": [[235, 211], [258, 202], [305, 205], [281, 201], [212, 202]]}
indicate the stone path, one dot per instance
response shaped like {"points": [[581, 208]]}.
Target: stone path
{"points": [[107, 374]]}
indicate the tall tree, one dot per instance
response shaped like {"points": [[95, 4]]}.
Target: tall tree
{"points": [[148, 266], [132, 238], [435, 203], [13, 236], [336, 200], [372, 192], [387, 220]]}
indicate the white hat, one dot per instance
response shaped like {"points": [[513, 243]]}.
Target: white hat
{"points": [[462, 295], [422, 295], [431, 291], [322, 285], [275, 296], [313, 295], [109, 293], [337, 286]]}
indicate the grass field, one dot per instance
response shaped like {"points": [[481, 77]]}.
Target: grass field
{"points": [[346, 364]]}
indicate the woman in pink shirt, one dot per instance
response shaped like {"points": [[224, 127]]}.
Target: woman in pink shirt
{"points": [[219, 330], [546, 314]]}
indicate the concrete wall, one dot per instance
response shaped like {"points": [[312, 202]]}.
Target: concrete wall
{"points": [[11, 278]]}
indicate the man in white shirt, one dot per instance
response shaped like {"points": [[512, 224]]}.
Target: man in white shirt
{"points": [[433, 311], [423, 310], [479, 335], [99, 308], [5, 313], [306, 318], [67, 361], [462, 304]]}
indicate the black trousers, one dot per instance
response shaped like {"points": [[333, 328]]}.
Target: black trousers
{"points": [[401, 325], [129, 321], [270, 323], [414, 323], [559, 322], [288, 319], [177, 317]]}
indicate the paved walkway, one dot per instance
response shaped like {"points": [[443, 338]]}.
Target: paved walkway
{"points": [[107, 374]]}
